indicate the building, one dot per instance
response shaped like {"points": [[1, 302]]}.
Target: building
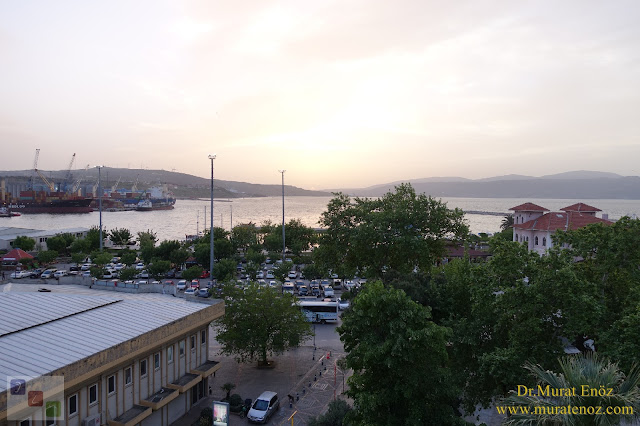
{"points": [[535, 225], [118, 359], [9, 234]]}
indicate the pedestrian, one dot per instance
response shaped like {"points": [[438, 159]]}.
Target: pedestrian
{"points": [[210, 391]]}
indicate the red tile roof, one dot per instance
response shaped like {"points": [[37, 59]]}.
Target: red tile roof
{"points": [[581, 207], [17, 254], [529, 207], [564, 221]]}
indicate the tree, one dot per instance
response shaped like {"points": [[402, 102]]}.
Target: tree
{"points": [[24, 243], [165, 248], [47, 256], [127, 274], [178, 257], [159, 268], [280, 271], [335, 415], [78, 257], [224, 270], [579, 373], [244, 235], [400, 231], [395, 349], [128, 257], [147, 252], [57, 243], [192, 273], [120, 236], [147, 236], [93, 238], [507, 222], [259, 322]]}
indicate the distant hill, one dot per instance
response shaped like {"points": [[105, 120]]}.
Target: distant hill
{"points": [[578, 184], [183, 185]]}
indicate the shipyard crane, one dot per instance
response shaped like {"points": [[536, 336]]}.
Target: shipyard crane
{"points": [[46, 181], [67, 177], [115, 186], [76, 184], [134, 188], [33, 172]]}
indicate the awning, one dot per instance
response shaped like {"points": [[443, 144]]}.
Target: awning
{"points": [[131, 417]]}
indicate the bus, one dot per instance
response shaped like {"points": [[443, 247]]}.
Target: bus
{"points": [[319, 311]]}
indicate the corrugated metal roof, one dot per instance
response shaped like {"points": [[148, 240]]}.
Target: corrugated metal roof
{"points": [[43, 332]]}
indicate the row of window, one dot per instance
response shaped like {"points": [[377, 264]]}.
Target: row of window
{"points": [[525, 239], [128, 373]]}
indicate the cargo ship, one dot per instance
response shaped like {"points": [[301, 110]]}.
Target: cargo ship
{"points": [[154, 198], [35, 202]]}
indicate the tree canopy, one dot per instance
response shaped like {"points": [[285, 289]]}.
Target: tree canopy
{"points": [[259, 322], [400, 231], [24, 243], [399, 361]]}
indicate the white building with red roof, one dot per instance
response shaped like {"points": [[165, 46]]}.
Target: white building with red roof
{"points": [[535, 225]]}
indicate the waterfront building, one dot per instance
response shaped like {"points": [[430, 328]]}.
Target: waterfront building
{"points": [[124, 359], [9, 234], [535, 225]]}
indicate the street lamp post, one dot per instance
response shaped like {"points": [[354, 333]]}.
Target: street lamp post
{"points": [[211, 157], [100, 202], [283, 240]]}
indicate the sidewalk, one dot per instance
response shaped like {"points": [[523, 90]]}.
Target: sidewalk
{"points": [[312, 382]]}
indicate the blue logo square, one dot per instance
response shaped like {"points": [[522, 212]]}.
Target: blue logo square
{"points": [[18, 387]]}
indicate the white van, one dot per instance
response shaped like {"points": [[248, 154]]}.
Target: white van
{"points": [[59, 274], [327, 291]]}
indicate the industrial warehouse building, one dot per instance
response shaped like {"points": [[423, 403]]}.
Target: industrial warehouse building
{"points": [[117, 359]]}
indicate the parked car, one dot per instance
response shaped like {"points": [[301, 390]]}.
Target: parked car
{"points": [[343, 304], [293, 275], [86, 274], [168, 282], [190, 291], [86, 267], [205, 274], [203, 292], [48, 273], [140, 266], [182, 284], [327, 291], [270, 275], [18, 274], [263, 407], [143, 274], [195, 284], [59, 274], [260, 275], [302, 290]]}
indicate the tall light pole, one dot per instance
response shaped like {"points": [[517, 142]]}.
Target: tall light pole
{"points": [[211, 157], [283, 241], [100, 202]]}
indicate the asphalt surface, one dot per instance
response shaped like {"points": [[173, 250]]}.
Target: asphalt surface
{"points": [[310, 376]]}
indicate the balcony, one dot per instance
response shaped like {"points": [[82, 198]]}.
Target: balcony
{"points": [[131, 417], [206, 369], [185, 382], [160, 398]]}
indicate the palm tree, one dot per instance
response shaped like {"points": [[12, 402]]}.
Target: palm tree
{"points": [[585, 383], [507, 222]]}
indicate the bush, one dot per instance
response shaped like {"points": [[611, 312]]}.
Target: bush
{"points": [[236, 403]]}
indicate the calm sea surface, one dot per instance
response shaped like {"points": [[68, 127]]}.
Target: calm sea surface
{"points": [[188, 215]]}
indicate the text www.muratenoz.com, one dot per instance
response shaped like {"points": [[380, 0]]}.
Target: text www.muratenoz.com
{"points": [[565, 409]]}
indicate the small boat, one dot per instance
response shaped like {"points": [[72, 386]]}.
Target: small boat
{"points": [[144, 206], [5, 212]]}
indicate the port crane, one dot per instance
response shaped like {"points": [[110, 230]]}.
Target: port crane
{"points": [[68, 176], [115, 186], [46, 181], [76, 184]]}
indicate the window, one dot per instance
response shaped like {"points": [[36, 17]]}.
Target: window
{"points": [[73, 405], [536, 241], [111, 384], [127, 376], [203, 337], [516, 237], [93, 394], [544, 241], [143, 367], [26, 422], [193, 342], [170, 354], [156, 361], [181, 347]]}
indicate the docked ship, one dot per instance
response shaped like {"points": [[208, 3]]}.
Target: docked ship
{"points": [[154, 198], [34, 202]]}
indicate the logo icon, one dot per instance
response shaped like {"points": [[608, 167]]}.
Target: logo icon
{"points": [[53, 409], [35, 399], [18, 387]]}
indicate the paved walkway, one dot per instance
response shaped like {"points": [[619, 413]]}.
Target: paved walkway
{"points": [[311, 377]]}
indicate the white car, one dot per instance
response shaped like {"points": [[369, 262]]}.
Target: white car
{"points": [[140, 266], [182, 284], [59, 274], [191, 291], [293, 275], [260, 275], [86, 267], [273, 283], [86, 274], [18, 274], [263, 407], [270, 275], [343, 304], [118, 266]]}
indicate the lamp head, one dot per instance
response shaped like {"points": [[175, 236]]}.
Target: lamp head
{"points": [[212, 156], [282, 171]]}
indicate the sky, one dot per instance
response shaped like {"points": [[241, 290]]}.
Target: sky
{"points": [[340, 94]]}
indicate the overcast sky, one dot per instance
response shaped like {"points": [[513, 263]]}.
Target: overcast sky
{"points": [[341, 93]]}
